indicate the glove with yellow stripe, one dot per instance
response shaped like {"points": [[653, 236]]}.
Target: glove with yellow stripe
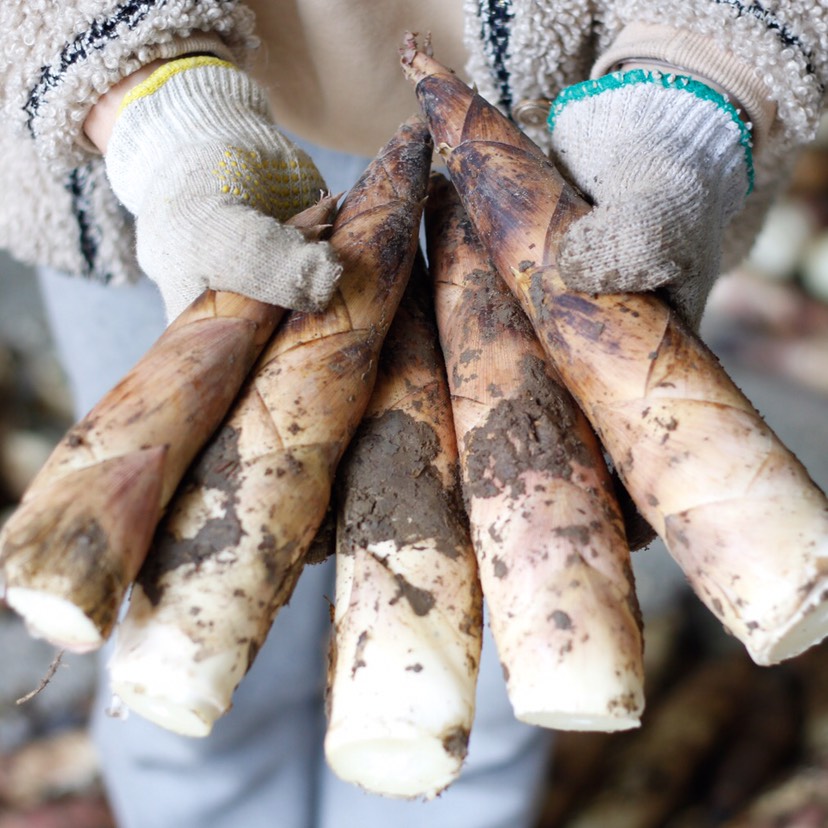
{"points": [[194, 155]]}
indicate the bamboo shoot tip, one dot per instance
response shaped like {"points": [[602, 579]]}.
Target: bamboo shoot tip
{"points": [[408, 48]]}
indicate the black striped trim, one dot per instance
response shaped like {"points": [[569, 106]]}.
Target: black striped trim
{"points": [[80, 186], [495, 25], [94, 38], [774, 24]]}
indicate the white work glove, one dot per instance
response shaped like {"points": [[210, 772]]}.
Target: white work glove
{"points": [[194, 155], [667, 162]]}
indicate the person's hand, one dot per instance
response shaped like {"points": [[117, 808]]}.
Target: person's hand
{"points": [[667, 162], [195, 157]]}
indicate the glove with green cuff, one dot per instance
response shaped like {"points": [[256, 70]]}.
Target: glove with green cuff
{"points": [[667, 162], [194, 155]]}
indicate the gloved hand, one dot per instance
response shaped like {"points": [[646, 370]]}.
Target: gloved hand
{"points": [[667, 161], [195, 157]]}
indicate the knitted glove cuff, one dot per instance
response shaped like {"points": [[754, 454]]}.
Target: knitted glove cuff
{"points": [[699, 56], [194, 154], [644, 131], [187, 103], [626, 123], [199, 43]]}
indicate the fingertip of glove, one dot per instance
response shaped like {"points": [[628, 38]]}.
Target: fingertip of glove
{"points": [[575, 263], [320, 276], [612, 274], [612, 251]]}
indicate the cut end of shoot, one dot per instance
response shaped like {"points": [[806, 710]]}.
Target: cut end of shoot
{"points": [[808, 628], [403, 768], [161, 674], [189, 716], [54, 619]]}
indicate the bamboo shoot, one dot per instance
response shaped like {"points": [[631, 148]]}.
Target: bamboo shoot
{"points": [[233, 546], [547, 530], [735, 508], [409, 617], [72, 548]]}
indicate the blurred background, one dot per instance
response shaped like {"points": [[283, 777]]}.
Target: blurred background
{"points": [[48, 769], [723, 742]]}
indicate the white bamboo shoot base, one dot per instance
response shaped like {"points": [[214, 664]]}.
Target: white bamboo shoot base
{"points": [[58, 621], [157, 671], [772, 596], [388, 761], [560, 608], [403, 684]]}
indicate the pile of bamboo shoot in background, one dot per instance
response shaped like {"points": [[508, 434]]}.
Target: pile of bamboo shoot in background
{"points": [[793, 243], [474, 466], [771, 313]]}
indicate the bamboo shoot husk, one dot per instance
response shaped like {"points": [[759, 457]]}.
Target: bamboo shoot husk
{"points": [[230, 552], [547, 530], [736, 509], [408, 616], [71, 549]]}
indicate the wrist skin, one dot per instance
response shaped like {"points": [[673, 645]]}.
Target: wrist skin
{"points": [[101, 118]]}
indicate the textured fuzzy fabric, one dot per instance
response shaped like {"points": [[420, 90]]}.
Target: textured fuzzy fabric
{"points": [[554, 43], [57, 58]]}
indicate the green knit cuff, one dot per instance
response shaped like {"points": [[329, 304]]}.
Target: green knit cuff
{"points": [[638, 77]]}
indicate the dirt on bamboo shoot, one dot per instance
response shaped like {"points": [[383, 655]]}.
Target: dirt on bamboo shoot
{"points": [[233, 545], [736, 509], [547, 530], [72, 548], [408, 616]]}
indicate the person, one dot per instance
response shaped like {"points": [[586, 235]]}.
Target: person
{"points": [[680, 122]]}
